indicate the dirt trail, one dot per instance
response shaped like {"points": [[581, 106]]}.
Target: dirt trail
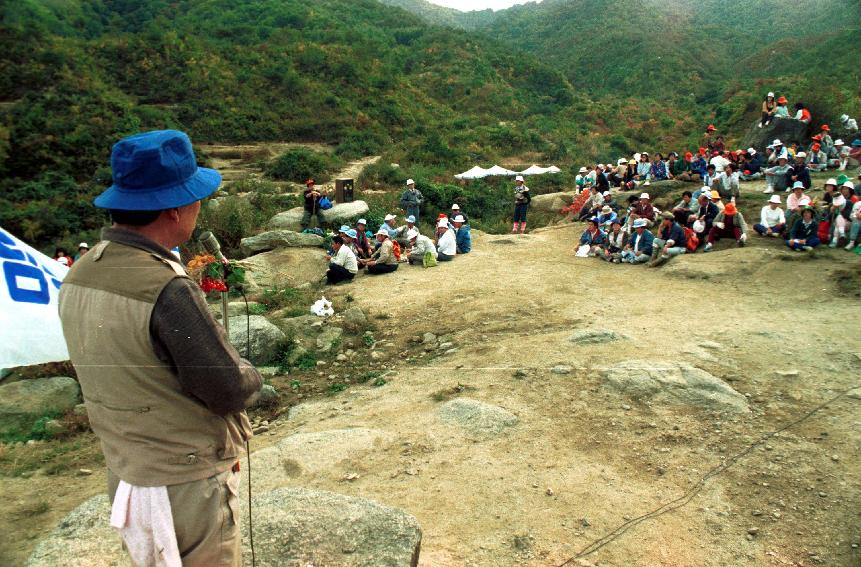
{"points": [[583, 459]]}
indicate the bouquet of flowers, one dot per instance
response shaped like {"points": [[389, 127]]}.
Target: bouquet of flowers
{"points": [[212, 275]]}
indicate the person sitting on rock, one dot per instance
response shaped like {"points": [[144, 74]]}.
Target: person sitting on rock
{"points": [[848, 124], [446, 241], [804, 232], [698, 169], [602, 177], [802, 114], [312, 205], [827, 142], [463, 235], [607, 217], [639, 248], [781, 111], [729, 223], [582, 181], [703, 215], [670, 242], [772, 220], [679, 168], [420, 246], [727, 182], [751, 165], [768, 107], [383, 261], [720, 162], [411, 200], [629, 181], [389, 226], [684, 209], [842, 160], [659, 170], [816, 160], [644, 169], [776, 177], [592, 236], [614, 243], [595, 201], [362, 245], [343, 265], [709, 177], [642, 209], [829, 191], [799, 170], [707, 141]]}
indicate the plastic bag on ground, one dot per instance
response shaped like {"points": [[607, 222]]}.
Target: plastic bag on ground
{"points": [[322, 307]]}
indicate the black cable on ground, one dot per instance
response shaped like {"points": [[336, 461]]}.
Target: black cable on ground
{"points": [[247, 444], [694, 490]]}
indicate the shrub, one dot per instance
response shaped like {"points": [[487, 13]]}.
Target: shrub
{"points": [[300, 164]]}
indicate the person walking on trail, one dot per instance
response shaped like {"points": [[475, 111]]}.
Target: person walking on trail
{"points": [[772, 219], [312, 205], [768, 107], [165, 390], [671, 240], [411, 200], [343, 265], [728, 222], [384, 260], [521, 205]]}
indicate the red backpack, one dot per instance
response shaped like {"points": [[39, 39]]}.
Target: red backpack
{"points": [[396, 248], [692, 239]]}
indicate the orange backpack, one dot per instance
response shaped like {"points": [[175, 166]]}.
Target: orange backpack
{"points": [[396, 248], [692, 239]]}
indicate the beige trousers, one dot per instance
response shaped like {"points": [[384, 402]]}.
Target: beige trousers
{"points": [[206, 519]]}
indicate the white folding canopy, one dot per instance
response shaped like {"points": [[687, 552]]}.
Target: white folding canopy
{"points": [[474, 173], [479, 173]]}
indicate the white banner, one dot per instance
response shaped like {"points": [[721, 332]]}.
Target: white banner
{"points": [[30, 331]]}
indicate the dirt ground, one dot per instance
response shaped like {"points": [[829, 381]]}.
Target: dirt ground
{"points": [[583, 459]]}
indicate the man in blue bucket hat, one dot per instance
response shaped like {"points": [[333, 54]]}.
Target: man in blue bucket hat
{"points": [[164, 389]]}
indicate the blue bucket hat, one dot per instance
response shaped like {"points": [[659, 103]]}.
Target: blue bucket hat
{"points": [[154, 171], [351, 233], [856, 143], [411, 219], [344, 228]]}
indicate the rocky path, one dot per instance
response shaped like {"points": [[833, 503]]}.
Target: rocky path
{"points": [[534, 402]]}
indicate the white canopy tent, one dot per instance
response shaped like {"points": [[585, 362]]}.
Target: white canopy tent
{"points": [[479, 173]]}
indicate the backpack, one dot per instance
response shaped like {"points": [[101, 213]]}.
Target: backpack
{"points": [[396, 248], [824, 230], [429, 261], [325, 204], [693, 241]]}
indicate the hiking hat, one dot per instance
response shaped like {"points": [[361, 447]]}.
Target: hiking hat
{"points": [[644, 196], [455, 207], [605, 194], [83, 245], [583, 170], [844, 118], [751, 151], [606, 209], [705, 190], [382, 232], [519, 178], [831, 181], [389, 217], [702, 151], [362, 221], [856, 143], [770, 94], [411, 219], [632, 162], [352, 233], [776, 142], [782, 100], [154, 171], [443, 223], [621, 161], [775, 199], [668, 216], [412, 233], [640, 223], [616, 220], [344, 228], [644, 154], [689, 156], [798, 185], [815, 147], [459, 218], [410, 182], [711, 128], [838, 142], [801, 155], [715, 195], [826, 128], [730, 209], [849, 184], [817, 137]]}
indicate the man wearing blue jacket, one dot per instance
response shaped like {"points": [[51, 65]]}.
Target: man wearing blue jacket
{"points": [[639, 247], [463, 237], [671, 240]]}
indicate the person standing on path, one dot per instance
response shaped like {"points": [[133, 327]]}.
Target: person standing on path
{"points": [[165, 390], [411, 201], [521, 205]]}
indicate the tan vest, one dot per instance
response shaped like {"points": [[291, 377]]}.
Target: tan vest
{"points": [[152, 434]]}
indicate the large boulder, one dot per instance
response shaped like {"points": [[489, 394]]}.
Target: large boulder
{"points": [[338, 214], [277, 239], [673, 383], [552, 202], [266, 340], [284, 267], [25, 401], [299, 526], [787, 130]]}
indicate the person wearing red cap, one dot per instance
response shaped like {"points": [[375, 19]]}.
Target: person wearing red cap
{"points": [[706, 143], [312, 205], [826, 141], [816, 159], [728, 222], [781, 111]]}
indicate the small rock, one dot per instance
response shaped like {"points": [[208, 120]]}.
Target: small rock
{"points": [[835, 458], [520, 373], [753, 531], [787, 373], [561, 369], [626, 407], [445, 346], [261, 429], [85, 472], [451, 351], [321, 363], [80, 410], [756, 513], [376, 355], [341, 357], [54, 427], [428, 338], [549, 491], [823, 495]]}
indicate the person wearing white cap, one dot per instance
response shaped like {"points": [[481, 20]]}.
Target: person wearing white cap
{"points": [[420, 246], [401, 237], [849, 124], [751, 167], [343, 265], [83, 248], [799, 170], [384, 260], [779, 150], [842, 159], [411, 200], [521, 205], [840, 213], [642, 209], [389, 226], [456, 210], [446, 242], [582, 181], [772, 220], [639, 248], [768, 107], [855, 226], [361, 244], [463, 234], [776, 177]]}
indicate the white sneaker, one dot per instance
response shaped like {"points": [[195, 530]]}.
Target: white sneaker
{"points": [[759, 125], [832, 244], [807, 248], [769, 190], [849, 246], [708, 247]]}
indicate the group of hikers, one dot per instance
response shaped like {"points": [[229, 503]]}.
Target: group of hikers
{"points": [[381, 252]]}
